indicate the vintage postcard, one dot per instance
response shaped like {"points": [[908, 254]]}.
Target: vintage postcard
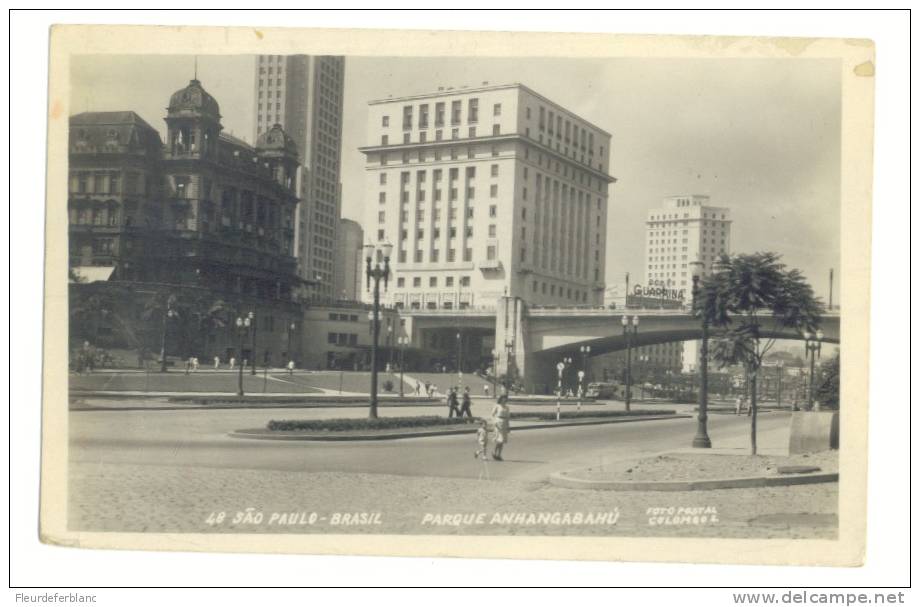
{"points": [[445, 293]]}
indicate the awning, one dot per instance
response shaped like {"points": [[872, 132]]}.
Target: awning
{"points": [[93, 273]]}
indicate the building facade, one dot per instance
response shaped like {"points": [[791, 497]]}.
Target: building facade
{"points": [[305, 94], [339, 336], [349, 260], [486, 192], [205, 215]]}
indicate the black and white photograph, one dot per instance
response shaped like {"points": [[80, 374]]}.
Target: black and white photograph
{"points": [[459, 298]]}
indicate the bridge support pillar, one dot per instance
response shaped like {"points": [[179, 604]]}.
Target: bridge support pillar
{"points": [[510, 339]]}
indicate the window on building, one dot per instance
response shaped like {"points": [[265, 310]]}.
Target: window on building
{"points": [[464, 281], [493, 191], [449, 281], [455, 109], [471, 132], [473, 110], [496, 129], [451, 255], [381, 217], [380, 235], [469, 212], [493, 210], [469, 231], [384, 140], [467, 254], [433, 281], [407, 117], [439, 114], [490, 252], [470, 193], [383, 178], [382, 197], [419, 255], [417, 281], [492, 230], [385, 121], [400, 282], [423, 116]]}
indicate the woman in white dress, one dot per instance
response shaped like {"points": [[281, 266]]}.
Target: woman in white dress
{"points": [[501, 421]]}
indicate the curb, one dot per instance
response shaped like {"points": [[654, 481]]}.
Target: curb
{"points": [[562, 479], [471, 429]]}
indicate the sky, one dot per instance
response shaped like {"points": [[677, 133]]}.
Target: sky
{"points": [[761, 136]]}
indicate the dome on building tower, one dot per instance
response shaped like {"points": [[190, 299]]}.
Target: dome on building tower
{"points": [[193, 100]]}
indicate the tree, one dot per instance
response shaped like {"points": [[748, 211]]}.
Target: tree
{"points": [[747, 301], [828, 391]]}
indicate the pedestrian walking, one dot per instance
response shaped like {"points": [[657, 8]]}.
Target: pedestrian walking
{"points": [[485, 390], [738, 406], [428, 389], [465, 403], [232, 363], [195, 363], [453, 404], [216, 363], [290, 367], [501, 421], [418, 388]]}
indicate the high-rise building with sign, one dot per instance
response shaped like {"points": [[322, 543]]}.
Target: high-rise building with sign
{"points": [[484, 192], [304, 94], [683, 230]]}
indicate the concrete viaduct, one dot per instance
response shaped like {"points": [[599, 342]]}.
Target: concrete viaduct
{"points": [[536, 338]]}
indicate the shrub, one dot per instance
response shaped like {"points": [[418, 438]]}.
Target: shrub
{"points": [[568, 414], [363, 423], [388, 386]]}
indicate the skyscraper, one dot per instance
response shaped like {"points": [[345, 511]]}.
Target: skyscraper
{"points": [[683, 230], [484, 192], [304, 94], [349, 255]]}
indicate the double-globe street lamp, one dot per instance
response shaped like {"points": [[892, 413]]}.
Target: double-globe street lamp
{"points": [[377, 260], [585, 353], [701, 440], [243, 324], [812, 347], [630, 330]]}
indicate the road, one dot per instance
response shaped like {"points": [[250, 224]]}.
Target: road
{"points": [[198, 438]]}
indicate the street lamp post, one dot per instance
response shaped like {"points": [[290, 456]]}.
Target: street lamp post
{"points": [[375, 273], [812, 347], [170, 314], [494, 369], [242, 326], [585, 353], [291, 329], [252, 356], [630, 330], [402, 340], [701, 440]]}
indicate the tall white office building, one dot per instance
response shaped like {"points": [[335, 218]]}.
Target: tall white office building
{"points": [[683, 230], [485, 192], [304, 94]]}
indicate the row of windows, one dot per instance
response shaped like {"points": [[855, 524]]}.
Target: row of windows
{"points": [[343, 317], [433, 281], [706, 215], [553, 290], [342, 339], [472, 152]]}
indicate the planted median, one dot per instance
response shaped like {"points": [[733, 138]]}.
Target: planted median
{"points": [[383, 428]]}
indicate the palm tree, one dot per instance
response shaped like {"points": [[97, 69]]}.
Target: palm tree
{"points": [[748, 301]]}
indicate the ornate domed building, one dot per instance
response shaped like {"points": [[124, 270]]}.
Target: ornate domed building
{"points": [[206, 213]]}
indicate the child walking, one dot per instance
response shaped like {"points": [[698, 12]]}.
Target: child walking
{"points": [[482, 439]]}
